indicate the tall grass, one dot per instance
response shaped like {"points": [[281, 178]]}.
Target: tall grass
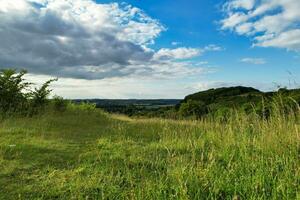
{"points": [[88, 154]]}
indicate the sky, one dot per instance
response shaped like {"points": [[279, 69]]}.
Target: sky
{"points": [[151, 48]]}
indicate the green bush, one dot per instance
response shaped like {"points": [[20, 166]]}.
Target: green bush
{"points": [[16, 95], [40, 97]]}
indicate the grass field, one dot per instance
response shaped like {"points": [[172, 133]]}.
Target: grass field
{"points": [[93, 155]]}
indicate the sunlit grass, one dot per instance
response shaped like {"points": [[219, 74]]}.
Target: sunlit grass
{"points": [[92, 155]]}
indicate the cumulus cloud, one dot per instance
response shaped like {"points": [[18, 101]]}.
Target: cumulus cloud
{"points": [[272, 23], [77, 38], [255, 61], [178, 53], [85, 40], [246, 4], [184, 52]]}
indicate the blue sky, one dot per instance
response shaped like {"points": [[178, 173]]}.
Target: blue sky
{"points": [[196, 23], [152, 49]]}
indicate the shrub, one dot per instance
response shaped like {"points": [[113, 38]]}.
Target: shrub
{"points": [[40, 96], [13, 96], [16, 95]]}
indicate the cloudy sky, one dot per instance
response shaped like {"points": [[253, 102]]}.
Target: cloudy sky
{"points": [[151, 48]]}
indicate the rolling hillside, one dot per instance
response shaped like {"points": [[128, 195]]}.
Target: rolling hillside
{"points": [[82, 154]]}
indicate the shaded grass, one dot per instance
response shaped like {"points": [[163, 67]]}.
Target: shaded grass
{"points": [[92, 155]]}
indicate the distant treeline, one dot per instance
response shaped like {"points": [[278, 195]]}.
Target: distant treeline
{"points": [[135, 107], [127, 102], [214, 102]]}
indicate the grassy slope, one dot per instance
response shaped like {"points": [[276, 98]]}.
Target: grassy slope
{"points": [[83, 155]]}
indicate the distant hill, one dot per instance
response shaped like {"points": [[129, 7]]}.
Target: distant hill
{"points": [[239, 97], [221, 94]]}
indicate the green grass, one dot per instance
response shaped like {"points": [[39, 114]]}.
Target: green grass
{"points": [[93, 155]]}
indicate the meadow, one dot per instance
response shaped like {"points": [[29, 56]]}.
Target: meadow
{"points": [[89, 154]]}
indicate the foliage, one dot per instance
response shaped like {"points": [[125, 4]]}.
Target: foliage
{"points": [[192, 108], [40, 95], [222, 101], [214, 95], [13, 91], [16, 95]]}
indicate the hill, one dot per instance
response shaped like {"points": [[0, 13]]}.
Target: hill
{"points": [[236, 95], [215, 95], [241, 98]]}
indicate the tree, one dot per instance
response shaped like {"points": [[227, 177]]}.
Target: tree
{"points": [[16, 94], [40, 95], [13, 90]]}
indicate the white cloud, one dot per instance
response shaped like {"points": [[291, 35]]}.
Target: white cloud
{"points": [[175, 43], [184, 52], [213, 47], [233, 20], [255, 61], [289, 39], [246, 4], [272, 23], [178, 53]]}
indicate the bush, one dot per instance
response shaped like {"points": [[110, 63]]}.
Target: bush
{"points": [[16, 95], [13, 96], [40, 97]]}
